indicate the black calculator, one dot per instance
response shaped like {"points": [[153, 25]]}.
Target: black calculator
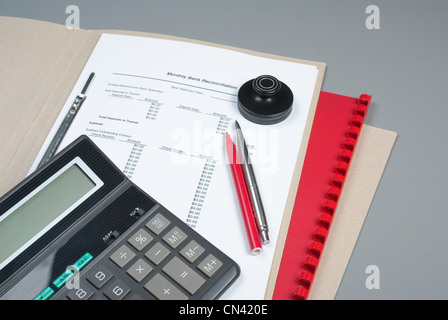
{"points": [[79, 229]]}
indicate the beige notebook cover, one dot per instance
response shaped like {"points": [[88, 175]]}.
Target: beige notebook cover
{"points": [[41, 63]]}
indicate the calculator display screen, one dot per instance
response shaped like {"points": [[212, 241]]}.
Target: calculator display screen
{"points": [[35, 214]]}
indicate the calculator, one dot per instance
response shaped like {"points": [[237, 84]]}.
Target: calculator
{"points": [[77, 229]]}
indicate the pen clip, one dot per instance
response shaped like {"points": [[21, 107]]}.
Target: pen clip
{"points": [[77, 103], [81, 97]]}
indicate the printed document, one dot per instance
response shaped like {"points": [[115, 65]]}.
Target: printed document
{"points": [[160, 110]]}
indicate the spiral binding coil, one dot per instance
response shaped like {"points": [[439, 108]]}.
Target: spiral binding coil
{"points": [[331, 199]]}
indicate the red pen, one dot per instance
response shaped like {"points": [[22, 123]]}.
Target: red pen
{"points": [[243, 197]]}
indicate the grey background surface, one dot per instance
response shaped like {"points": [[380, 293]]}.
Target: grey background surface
{"points": [[403, 65]]}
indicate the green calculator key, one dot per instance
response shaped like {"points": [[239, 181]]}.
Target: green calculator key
{"points": [[63, 278], [81, 263], [44, 295]]}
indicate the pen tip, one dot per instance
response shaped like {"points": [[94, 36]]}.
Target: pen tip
{"points": [[229, 140], [237, 125]]}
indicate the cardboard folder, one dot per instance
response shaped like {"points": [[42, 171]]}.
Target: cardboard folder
{"points": [[40, 65]]}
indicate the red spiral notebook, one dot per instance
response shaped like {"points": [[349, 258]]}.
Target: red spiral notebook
{"points": [[334, 134]]}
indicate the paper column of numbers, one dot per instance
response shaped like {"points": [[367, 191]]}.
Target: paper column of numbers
{"points": [[133, 159], [201, 193]]}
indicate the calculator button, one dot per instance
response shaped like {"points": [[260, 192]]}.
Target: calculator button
{"points": [[82, 262], [63, 278], [175, 237], [99, 277], [192, 251], [117, 291], [82, 293], [158, 223], [209, 265], [140, 239], [189, 279], [139, 270], [45, 295], [162, 289], [157, 253], [122, 256]]}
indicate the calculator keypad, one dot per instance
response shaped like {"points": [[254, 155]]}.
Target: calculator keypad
{"points": [[160, 257]]}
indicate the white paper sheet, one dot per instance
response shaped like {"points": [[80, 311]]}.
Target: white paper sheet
{"points": [[160, 109]]}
